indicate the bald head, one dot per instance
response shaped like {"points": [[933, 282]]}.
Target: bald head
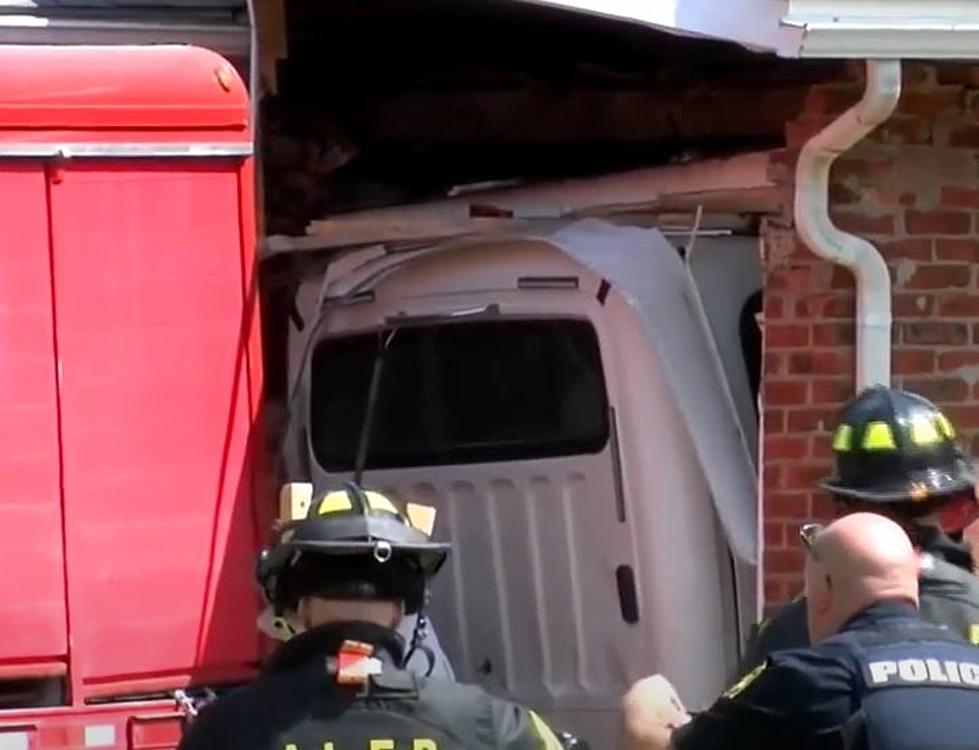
{"points": [[857, 561]]}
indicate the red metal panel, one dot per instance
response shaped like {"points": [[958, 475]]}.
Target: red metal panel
{"points": [[159, 87], [152, 338], [32, 607], [120, 726]]}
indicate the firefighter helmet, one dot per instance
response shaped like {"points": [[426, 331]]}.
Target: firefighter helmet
{"points": [[353, 544], [892, 446]]}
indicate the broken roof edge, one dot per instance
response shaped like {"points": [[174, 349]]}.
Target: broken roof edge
{"points": [[866, 29], [753, 24]]}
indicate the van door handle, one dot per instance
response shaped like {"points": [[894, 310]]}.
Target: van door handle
{"points": [[625, 581]]}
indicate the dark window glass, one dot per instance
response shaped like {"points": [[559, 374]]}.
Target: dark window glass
{"points": [[461, 393], [751, 344]]}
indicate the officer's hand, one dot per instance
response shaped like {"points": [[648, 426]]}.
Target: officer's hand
{"points": [[651, 711]]}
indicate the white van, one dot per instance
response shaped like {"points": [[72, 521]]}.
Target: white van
{"points": [[587, 443]]}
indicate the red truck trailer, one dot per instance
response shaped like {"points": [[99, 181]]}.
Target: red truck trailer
{"points": [[130, 382]]}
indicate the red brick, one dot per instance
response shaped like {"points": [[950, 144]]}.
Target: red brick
{"points": [[863, 224], [830, 99], [913, 305], [913, 249], [937, 222], [831, 305], [822, 507], [964, 417], [959, 74], [833, 334], [810, 420], [935, 332], [966, 251], [784, 560], [906, 130], [939, 276], [913, 361], [919, 75], [786, 505], [786, 335], [975, 333], [786, 447], [774, 421], [964, 137], [772, 476], [832, 362], [863, 170], [831, 392], [803, 477], [774, 363], [785, 392], [774, 534], [773, 307], [961, 358], [775, 591], [942, 390], [954, 196], [839, 361], [842, 278], [800, 131], [932, 103], [959, 306], [794, 279], [822, 446], [841, 195]]}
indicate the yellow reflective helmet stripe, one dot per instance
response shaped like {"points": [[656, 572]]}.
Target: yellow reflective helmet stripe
{"points": [[545, 733], [843, 439], [945, 425], [924, 430], [335, 502], [377, 501], [878, 436], [974, 634]]}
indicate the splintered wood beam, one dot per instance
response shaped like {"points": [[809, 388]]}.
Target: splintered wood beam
{"points": [[735, 186], [270, 20]]}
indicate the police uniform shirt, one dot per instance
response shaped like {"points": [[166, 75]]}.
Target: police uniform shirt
{"points": [[949, 593], [298, 704], [798, 695]]}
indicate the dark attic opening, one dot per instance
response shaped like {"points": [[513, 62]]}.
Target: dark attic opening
{"points": [[381, 102]]}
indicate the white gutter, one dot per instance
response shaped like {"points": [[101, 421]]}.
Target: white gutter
{"points": [[815, 227]]}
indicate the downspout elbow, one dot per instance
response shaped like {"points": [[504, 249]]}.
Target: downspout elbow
{"points": [[816, 228]]}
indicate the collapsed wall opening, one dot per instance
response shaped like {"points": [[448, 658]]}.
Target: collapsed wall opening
{"points": [[380, 103]]}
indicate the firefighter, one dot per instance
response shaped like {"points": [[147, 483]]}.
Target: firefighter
{"points": [[351, 571], [896, 454], [878, 677]]}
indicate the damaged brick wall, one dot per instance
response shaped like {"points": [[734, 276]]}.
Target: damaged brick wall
{"points": [[912, 188]]}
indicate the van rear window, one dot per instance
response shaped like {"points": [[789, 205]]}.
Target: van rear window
{"points": [[461, 393]]}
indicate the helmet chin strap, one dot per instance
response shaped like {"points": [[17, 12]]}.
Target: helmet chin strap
{"points": [[417, 644]]}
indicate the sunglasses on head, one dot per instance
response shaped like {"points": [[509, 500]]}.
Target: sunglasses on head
{"points": [[808, 533]]}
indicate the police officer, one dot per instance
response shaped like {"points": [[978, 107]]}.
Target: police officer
{"points": [[896, 454], [351, 571], [879, 677]]}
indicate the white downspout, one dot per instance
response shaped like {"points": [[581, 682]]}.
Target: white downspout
{"points": [[817, 230]]}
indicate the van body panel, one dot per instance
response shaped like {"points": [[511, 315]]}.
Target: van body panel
{"points": [[534, 603]]}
